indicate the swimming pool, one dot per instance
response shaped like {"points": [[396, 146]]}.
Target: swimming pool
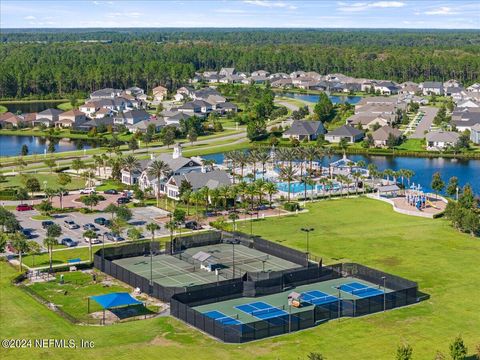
{"points": [[298, 187]]}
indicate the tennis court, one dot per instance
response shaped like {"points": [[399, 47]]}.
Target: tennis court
{"points": [[183, 270], [275, 306], [245, 258]]}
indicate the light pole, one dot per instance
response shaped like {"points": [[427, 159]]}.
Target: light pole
{"points": [[384, 294], [103, 252], [339, 301], [233, 259], [308, 230], [457, 192]]}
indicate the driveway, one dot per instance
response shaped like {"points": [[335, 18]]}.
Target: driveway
{"points": [[426, 122]]}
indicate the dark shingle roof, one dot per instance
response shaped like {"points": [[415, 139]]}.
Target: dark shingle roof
{"points": [[346, 130]]}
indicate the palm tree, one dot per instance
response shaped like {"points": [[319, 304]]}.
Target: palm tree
{"points": [[60, 191], [224, 193], [263, 157], [233, 216], [329, 153], [310, 154], [324, 181], [49, 243], [21, 245], [241, 189], [242, 160], [252, 159], [131, 164], [251, 192], [356, 175], [205, 192], [270, 188], [209, 164], [214, 196], [158, 169], [361, 164], [197, 197], [152, 227], [286, 155], [310, 182], [186, 198], [409, 174], [33, 249], [388, 173], [112, 209], [260, 186], [287, 174]]}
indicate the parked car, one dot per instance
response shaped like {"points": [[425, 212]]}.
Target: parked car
{"points": [[24, 207], [111, 192], [92, 240], [123, 200], [70, 224], [27, 233], [193, 225], [90, 226], [68, 242], [101, 221], [87, 191], [46, 224]]}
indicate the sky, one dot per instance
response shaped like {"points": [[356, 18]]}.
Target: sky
{"points": [[431, 14]]}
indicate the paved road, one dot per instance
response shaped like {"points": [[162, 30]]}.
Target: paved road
{"points": [[425, 123]]}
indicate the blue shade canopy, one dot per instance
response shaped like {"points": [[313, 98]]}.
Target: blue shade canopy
{"points": [[113, 300]]}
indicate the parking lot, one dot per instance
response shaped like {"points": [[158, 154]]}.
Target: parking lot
{"points": [[140, 218]]}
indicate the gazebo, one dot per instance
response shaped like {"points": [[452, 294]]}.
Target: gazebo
{"points": [[113, 300]]}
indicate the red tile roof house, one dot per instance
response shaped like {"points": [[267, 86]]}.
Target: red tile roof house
{"points": [[70, 119]]}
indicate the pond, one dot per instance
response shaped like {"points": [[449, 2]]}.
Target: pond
{"points": [[467, 171], [11, 145], [34, 106], [313, 98]]}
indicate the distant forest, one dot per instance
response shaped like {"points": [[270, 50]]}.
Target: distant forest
{"points": [[57, 63]]}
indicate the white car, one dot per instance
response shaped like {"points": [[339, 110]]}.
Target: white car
{"points": [[92, 240], [87, 191]]}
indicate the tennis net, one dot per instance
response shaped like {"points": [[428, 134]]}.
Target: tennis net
{"points": [[362, 291], [318, 300], [173, 272], [266, 311]]}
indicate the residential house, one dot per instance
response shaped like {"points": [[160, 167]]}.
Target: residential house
{"points": [[176, 162], [173, 117], [159, 93], [226, 71], [260, 73], [89, 108], [345, 132], [386, 88], [468, 104], [226, 107], [198, 180], [474, 88], [103, 112], [452, 83], [432, 88], [107, 93], [143, 125], [197, 107], [70, 118], [381, 135], [370, 120], [409, 88], [231, 79], [466, 121], [94, 123], [134, 91], [304, 129], [47, 117], [282, 83], [131, 117], [204, 93], [440, 140], [475, 134], [12, 121]]}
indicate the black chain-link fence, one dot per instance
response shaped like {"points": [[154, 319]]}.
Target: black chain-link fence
{"points": [[182, 305]]}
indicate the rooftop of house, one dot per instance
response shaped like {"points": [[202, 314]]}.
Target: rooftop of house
{"points": [[442, 136], [384, 132], [346, 130], [51, 112], [305, 128], [211, 179]]}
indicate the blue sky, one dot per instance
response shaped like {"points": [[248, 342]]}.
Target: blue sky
{"points": [[448, 14]]}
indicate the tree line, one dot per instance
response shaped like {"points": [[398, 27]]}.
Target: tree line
{"points": [[65, 68]]}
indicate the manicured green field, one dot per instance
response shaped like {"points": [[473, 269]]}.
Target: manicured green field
{"points": [[442, 261], [72, 296], [3, 109], [51, 179]]}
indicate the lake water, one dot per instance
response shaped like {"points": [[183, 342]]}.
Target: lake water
{"points": [[467, 171], [28, 107], [313, 98], [11, 145]]}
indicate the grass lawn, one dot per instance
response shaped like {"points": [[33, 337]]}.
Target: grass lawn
{"points": [[111, 184], [72, 296], [65, 106], [41, 217], [442, 261], [51, 179], [3, 109], [412, 145]]}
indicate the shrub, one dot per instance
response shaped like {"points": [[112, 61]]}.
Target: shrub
{"points": [[291, 206]]}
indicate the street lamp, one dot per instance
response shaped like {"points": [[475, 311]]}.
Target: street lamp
{"points": [[457, 192], [103, 252], [339, 301], [384, 294], [308, 230]]}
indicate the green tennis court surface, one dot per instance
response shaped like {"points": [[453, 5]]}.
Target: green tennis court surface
{"points": [[248, 309], [182, 270]]}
